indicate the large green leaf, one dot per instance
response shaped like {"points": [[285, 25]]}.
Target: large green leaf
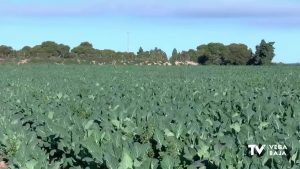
{"points": [[126, 161]]}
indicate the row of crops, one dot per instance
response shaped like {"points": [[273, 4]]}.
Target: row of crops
{"points": [[80, 116]]}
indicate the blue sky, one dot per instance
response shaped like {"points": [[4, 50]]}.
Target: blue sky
{"points": [[167, 24]]}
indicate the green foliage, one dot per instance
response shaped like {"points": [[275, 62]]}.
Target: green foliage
{"points": [[214, 53], [217, 54], [233, 54], [147, 117], [84, 49], [155, 55], [48, 49], [207, 54], [264, 53], [140, 52], [174, 56], [6, 51], [25, 51], [239, 54]]}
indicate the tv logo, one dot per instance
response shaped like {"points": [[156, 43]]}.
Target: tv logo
{"points": [[272, 150], [254, 147]]}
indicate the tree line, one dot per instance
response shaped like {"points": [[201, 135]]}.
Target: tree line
{"points": [[207, 54], [233, 54]]}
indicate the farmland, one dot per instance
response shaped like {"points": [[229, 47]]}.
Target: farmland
{"points": [[119, 117]]}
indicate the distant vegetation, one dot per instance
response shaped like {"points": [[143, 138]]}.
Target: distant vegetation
{"points": [[207, 54]]}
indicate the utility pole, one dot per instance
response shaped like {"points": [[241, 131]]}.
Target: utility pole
{"points": [[128, 34]]}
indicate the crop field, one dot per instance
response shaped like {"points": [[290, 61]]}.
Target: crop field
{"points": [[148, 117]]}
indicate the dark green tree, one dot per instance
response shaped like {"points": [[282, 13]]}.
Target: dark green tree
{"points": [[6, 51], [50, 49], [264, 53], [25, 51], [140, 52], [84, 49], [240, 54], [174, 56], [158, 55], [174, 53], [213, 53], [192, 55]]}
